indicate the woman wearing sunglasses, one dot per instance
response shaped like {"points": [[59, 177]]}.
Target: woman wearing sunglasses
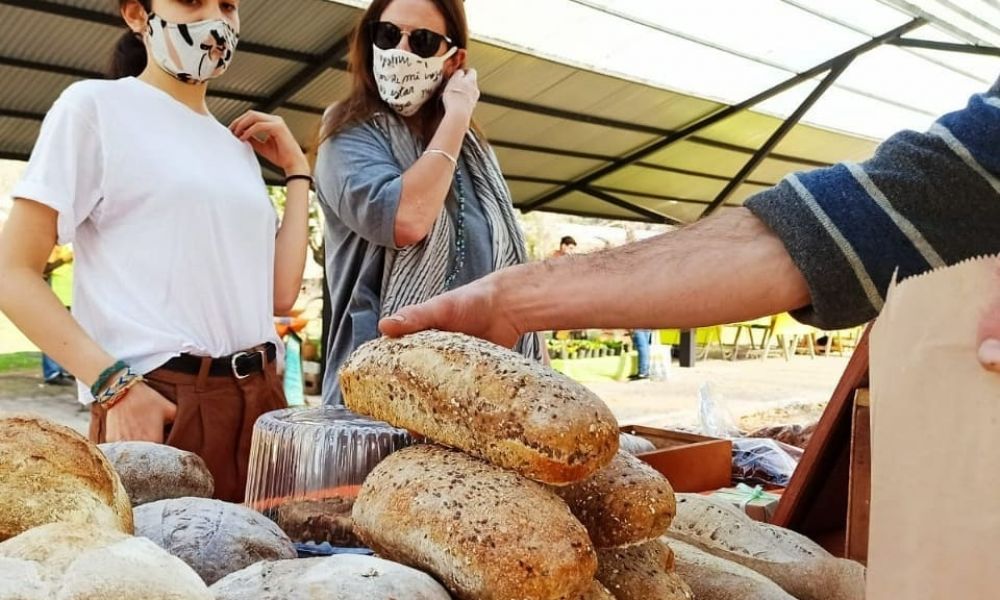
{"points": [[414, 199], [180, 262]]}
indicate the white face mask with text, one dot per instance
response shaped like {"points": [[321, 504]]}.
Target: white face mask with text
{"points": [[405, 81]]}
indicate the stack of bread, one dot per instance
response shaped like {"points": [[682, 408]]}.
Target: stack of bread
{"points": [[521, 492]]}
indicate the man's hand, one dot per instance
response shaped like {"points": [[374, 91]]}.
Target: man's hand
{"points": [[474, 309], [989, 331], [140, 416]]}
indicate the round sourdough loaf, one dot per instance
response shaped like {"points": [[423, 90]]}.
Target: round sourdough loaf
{"points": [[50, 473], [342, 577], [152, 472], [215, 538], [85, 562]]}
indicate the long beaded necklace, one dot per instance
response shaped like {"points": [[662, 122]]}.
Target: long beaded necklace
{"points": [[460, 245]]}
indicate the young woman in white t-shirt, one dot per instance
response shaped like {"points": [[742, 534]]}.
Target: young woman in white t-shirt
{"points": [[180, 261]]}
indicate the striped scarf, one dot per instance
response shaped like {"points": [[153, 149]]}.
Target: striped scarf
{"points": [[417, 273]]}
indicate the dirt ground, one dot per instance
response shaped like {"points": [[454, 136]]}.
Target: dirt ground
{"points": [[756, 393]]}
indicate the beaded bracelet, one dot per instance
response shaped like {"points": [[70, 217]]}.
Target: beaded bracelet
{"points": [[105, 377], [122, 383], [122, 393]]}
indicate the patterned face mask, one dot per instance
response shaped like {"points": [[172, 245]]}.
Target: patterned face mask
{"points": [[192, 52], [406, 81]]}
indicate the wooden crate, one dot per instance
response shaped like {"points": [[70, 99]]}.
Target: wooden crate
{"points": [[692, 463]]}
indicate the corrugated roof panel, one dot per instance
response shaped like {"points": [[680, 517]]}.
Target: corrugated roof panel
{"points": [[530, 128], [18, 136], [304, 25], [869, 16], [747, 129], [586, 205], [522, 191], [257, 75], [328, 88], [29, 90], [227, 110], [826, 146], [51, 39], [549, 166], [651, 181], [524, 77], [693, 156], [681, 211], [304, 126]]}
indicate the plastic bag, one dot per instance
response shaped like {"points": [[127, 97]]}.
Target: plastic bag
{"points": [[764, 461], [714, 414]]}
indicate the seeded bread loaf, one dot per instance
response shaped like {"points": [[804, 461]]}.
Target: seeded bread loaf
{"points": [[641, 572], [50, 473], [484, 532], [795, 563], [627, 502], [714, 578], [486, 400], [152, 472]]}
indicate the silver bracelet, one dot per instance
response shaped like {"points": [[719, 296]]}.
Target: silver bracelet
{"points": [[454, 161]]}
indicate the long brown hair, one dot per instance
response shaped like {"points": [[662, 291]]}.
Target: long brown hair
{"points": [[364, 99], [129, 56]]}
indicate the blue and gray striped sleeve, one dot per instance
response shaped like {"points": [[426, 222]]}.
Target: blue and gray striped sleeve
{"points": [[924, 200]]}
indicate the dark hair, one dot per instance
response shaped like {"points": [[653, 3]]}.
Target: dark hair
{"points": [[364, 100], [567, 241], [129, 58]]}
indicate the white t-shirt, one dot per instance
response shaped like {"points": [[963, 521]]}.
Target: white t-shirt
{"points": [[169, 218]]}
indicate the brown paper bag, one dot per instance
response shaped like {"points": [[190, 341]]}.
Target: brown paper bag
{"points": [[935, 513]]}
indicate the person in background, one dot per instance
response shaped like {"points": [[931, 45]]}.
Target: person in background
{"points": [[642, 339], [567, 246], [414, 198], [59, 274]]}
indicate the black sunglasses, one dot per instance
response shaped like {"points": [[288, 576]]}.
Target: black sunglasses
{"points": [[423, 42]]}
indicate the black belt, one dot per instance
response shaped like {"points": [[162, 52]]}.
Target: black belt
{"points": [[240, 365]]}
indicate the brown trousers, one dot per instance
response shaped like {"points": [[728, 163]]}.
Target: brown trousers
{"points": [[215, 418]]}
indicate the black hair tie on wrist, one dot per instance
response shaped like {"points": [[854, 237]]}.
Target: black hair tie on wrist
{"points": [[291, 178]]}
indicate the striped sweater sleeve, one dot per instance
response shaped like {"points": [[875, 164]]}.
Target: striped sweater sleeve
{"points": [[924, 200]]}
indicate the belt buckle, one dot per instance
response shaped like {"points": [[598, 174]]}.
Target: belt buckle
{"points": [[239, 355]]}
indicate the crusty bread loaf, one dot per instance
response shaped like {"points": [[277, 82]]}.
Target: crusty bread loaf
{"points": [[714, 578], [627, 502], [215, 538], [597, 592], [484, 532], [795, 563], [342, 577], [641, 572], [152, 472], [86, 562], [486, 400], [50, 473], [23, 580]]}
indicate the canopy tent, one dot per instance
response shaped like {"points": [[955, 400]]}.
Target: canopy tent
{"points": [[623, 109]]}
